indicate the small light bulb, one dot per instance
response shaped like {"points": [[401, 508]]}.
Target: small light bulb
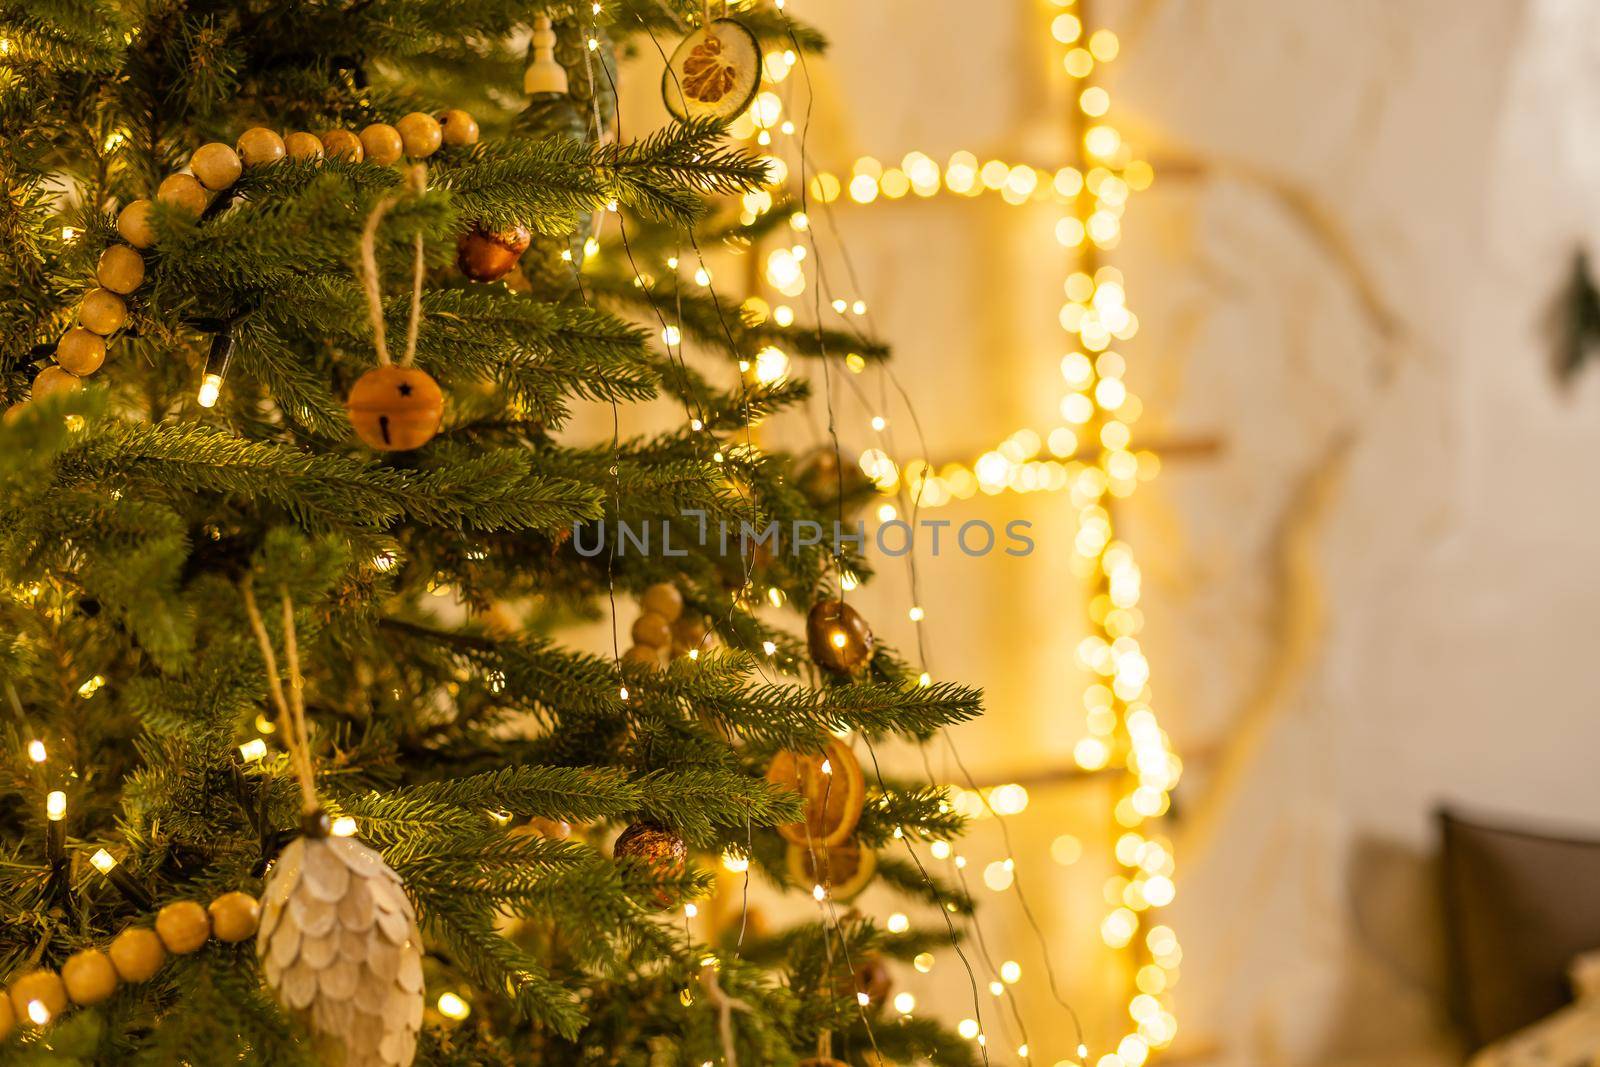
{"points": [[624, 692], [818, 893], [38, 1013], [690, 910], [879, 422], [55, 805], [916, 614], [36, 751], [253, 750], [839, 639], [453, 1007], [210, 390], [827, 766], [863, 1000], [769, 648], [103, 861], [344, 826]]}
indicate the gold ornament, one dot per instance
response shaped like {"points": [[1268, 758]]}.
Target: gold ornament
{"points": [[838, 637], [339, 944], [661, 851], [394, 409]]}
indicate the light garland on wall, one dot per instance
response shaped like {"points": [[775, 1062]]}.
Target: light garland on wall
{"points": [[1091, 456]]}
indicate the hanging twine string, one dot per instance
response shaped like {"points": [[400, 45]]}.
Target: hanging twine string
{"points": [[416, 180], [291, 710]]}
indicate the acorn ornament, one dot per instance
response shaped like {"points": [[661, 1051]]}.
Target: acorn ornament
{"points": [[838, 637], [339, 945], [714, 73], [395, 409], [486, 255], [661, 851]]}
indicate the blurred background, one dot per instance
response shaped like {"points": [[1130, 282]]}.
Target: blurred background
{"points": [[1364, 574]]}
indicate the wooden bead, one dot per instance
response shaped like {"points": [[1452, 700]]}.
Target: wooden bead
{"points": [[216, 165], [137, 953], [42, 987], [102, 311], [121, 269], [645, 654], [13, 413], [303, 145], [395, 408], [134, 224], [555, 829], [653, 630], [235, 916], [382, 144], [421, 134], [80, 351], [54, 380], [488, 255], [342, 144], [89, 976], [664, 599], [838, 637], [259, 146], [183, 191], [688, 632], [183, 926], [8, 1018], [459, 128]]}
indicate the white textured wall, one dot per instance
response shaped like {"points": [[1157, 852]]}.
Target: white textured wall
{"points": [[1391, 569]]}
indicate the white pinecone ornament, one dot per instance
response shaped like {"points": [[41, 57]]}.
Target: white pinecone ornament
{"points": [[339, 946]]}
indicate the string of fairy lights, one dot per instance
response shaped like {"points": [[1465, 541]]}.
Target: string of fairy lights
{"points": [[1090, 455]]}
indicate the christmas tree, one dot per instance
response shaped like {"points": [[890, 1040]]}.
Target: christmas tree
{"points": [[298, 302]]}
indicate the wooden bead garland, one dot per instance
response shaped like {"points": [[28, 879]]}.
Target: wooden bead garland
{"points": [[91, 976], [663, 629], [215, 168]]}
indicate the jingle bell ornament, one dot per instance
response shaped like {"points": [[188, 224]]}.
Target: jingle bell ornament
{"points": [[394, 409], [339, 945], [488, 255], [661, 851], [838, 637]]}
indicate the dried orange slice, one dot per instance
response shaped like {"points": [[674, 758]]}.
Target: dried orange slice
{"points": [[832, 788], [843, 870], [714, 72]]}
